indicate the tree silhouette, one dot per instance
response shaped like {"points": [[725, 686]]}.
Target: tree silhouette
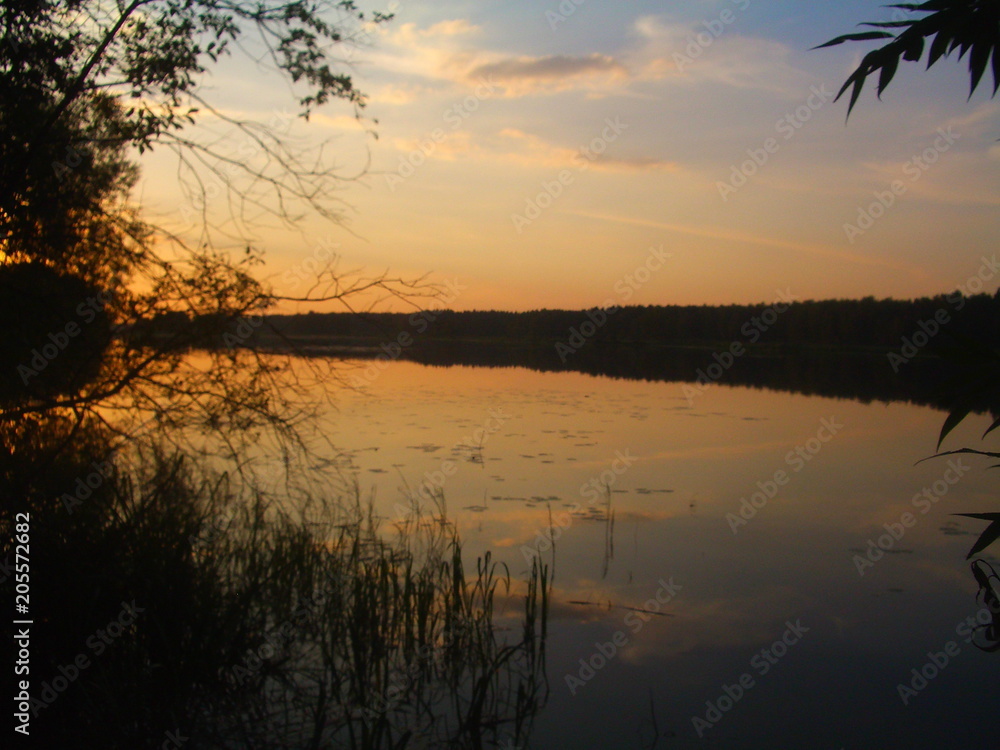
{"points": [[970, 26], [87, 86]]}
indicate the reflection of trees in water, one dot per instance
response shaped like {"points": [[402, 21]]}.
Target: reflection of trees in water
{"points": [[849, 375], [179, 603]]}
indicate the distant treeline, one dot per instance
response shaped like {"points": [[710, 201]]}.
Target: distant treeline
{"points": [[883, 324], [863, 349]]}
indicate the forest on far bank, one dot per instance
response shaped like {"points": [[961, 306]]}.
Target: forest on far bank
{"points": [[886, 324]]}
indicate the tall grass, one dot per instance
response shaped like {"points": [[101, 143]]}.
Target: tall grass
{"points": [[269, 628]]}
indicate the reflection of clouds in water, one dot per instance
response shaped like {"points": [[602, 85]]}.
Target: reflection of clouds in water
{"points": [[795, 562]]}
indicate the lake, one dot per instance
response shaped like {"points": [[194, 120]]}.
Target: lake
{"points": [[739, 567]]}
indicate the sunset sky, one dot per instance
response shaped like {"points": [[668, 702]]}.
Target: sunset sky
{"points": [[535, 156]]}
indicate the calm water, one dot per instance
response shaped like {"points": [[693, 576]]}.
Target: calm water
{"points": [[780, 632]]}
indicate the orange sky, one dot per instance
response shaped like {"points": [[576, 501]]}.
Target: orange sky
{"points": [[537, 160]]}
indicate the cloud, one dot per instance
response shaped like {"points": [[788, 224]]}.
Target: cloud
{"points": [[397, 95], [444, 53], [742, 239], [409, 34], [550, 73], [339, 122], [532, 151], [453, 147], [687, 53], [513, 146], [528, 150], [453, 27], [658, 51]]}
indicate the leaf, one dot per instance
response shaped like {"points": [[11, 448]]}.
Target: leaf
{"points": [[977, 64], [996, 69], [969, 26], [858, 85], [990, 535], [914, 51], [888, 71], [957, 414], [939, 48], [862, 37], [957, 451], [890, 24], [996, 423]]}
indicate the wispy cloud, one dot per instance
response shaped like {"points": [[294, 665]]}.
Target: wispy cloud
{"points": [[520, 76], [746, 238], [687, 54], [513, 146], [533, 151]]}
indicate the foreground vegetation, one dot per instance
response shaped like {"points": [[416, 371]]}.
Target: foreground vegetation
{"points": [[168, 604]]}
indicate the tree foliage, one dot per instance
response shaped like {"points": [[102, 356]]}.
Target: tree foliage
{"points": [[970, 26], [87, 86]]}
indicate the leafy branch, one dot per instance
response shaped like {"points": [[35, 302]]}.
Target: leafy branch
{"points": [[970, 26]]}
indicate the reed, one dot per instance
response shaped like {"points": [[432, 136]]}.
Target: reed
{"points": [[265, 627]]}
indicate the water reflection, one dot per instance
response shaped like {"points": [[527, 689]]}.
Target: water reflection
{"points": [[859, 375], [542, 491], [754, 569]]}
